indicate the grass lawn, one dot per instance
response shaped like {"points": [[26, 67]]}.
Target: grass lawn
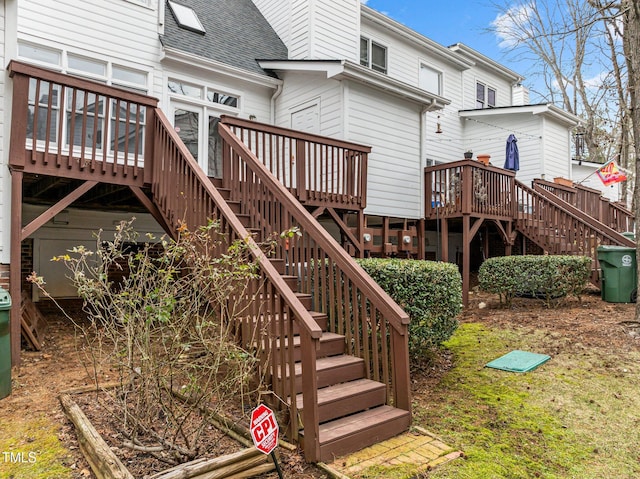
{"points": [[577, 416]]}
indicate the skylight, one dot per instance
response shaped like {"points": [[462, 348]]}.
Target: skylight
{"points": [[186, 17]]}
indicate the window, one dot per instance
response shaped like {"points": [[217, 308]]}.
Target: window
{"points": [[40, 54], [485, 96], [185, 89], [87, 67], [430, 79], [373, 55], [196, 111], [186, 17]]}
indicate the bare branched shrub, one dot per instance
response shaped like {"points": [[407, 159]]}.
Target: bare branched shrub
{"points": [[166, 326]]}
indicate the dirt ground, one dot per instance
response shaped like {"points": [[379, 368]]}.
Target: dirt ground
{"points": [[584, 323]]}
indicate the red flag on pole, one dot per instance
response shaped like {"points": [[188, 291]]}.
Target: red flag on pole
{"points": [[610, 173]]}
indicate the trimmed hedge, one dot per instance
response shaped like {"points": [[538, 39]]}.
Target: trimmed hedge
{"points": [[430, 292], [551, 278]]}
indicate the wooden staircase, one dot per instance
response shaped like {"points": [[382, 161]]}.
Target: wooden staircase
{"points": [[330, 342], [558, 227], [352, 410]]}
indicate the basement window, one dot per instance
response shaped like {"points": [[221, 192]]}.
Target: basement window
{"points": [[186, 17]]}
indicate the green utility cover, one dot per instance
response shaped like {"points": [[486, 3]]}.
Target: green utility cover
{"points": [[519, 361]]}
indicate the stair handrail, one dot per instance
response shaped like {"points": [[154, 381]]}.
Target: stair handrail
{"points": [[567, 230], [396, 316], [607, 231], [164, 189]]}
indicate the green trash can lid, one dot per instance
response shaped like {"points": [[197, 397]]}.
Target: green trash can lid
{"points": [[5, 299], [613, 247]]}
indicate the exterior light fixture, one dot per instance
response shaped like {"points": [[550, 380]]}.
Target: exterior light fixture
{"points": [[366, 237], [438, 126]]}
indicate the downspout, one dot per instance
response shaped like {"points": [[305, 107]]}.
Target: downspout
{"points": [[423, 149], [274, 97]]}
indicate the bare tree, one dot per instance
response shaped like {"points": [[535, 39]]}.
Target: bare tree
{"points": [[565, 41]]}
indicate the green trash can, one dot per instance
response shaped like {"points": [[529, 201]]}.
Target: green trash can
{"points": [[629, 234], [619, 277], [5, 344]]}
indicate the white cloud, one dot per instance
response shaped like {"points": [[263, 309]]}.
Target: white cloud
{"points": [[508, 26], [364, 2]]}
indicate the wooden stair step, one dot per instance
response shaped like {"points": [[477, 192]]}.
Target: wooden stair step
{"points": [[235, 206], [279, 264], [329, 371], [292, 282], [355, 432], [305, 299], [320, 319], [347, 398], [245, 219], [331, 344]]}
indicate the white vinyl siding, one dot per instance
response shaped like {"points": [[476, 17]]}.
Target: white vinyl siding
{"points": [[394, 180], [557, 150], [303, 89], [477, 76], [122, 32], [335, 32], [319, 29]]}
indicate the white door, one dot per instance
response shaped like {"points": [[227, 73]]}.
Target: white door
{"points": [[187, 121]]}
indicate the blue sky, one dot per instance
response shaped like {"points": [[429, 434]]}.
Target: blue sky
{"points": [[451, 21]]}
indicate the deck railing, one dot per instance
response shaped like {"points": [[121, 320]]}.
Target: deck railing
{"points": [[317, 170], [62, 125], [376, 328], [468, 187]]}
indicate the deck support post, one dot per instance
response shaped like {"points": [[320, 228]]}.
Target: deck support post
{"points": [[508, 245], [421, 238], [466, 263], [15, 282], [444, 240]]}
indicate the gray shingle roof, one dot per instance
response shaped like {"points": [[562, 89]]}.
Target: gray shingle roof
{"points": [[236, 34]]}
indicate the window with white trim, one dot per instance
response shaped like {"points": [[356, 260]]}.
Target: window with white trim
{"points": [[430, 79], [121, 121], [373, 55], [485, 96]]}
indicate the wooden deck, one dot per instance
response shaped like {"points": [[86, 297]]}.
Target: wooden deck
{"points": [[559, 219]]}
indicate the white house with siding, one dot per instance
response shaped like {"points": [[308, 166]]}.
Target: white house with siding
{"points": [[333, 67]]}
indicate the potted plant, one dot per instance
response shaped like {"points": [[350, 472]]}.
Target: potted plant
{"points": [[484, 158], [468, 154]]}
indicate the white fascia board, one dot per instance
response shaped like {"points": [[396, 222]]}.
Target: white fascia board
{"points": [[414, 37], [207, 64], [545, 110], [380, 81], [345, 70], [330, 67], [479, 59]]}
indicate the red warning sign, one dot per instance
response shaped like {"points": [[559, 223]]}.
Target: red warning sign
{"points": [[264, 429]]}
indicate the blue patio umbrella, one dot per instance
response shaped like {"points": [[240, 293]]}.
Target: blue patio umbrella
{"points": [[512, 158]]}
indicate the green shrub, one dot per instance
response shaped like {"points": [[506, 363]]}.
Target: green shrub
{"points": [[430, 292], [551, 278]]}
